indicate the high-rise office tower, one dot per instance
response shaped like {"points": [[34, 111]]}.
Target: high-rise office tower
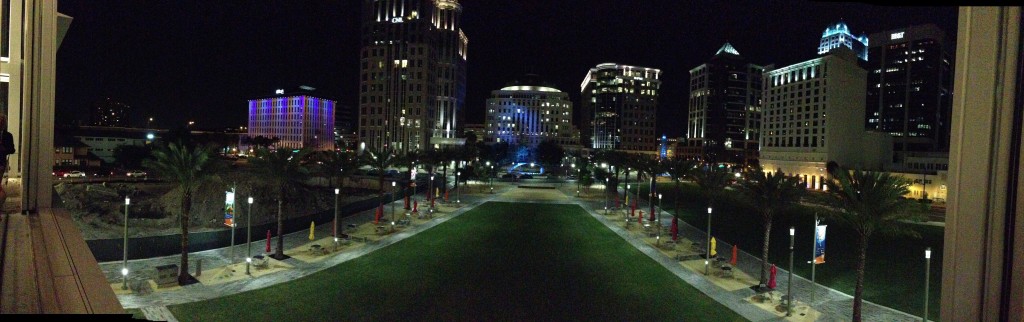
{"points": [[111, 113], [908, 88], [621, 101], [725, 108], [298, 119], [813, 116], [528, 112], [413, 73], [838, 35]]}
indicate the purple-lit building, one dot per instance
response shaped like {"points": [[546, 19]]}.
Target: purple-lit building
{"points": [[298, 119]]}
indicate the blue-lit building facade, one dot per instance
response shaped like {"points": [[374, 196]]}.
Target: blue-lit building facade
{"points": [[526, 113], [839, 35], [298, 119], [621, 102]]}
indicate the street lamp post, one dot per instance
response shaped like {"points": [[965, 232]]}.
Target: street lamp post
{"points": [[233, 224], [927, 276], [337, 193], [430, 194], [248, 237], [124, 262], [659, 214], [789, 293], [579, 175], [605, 196], [458, 188], [707, 256], [393, 185], [490, 177]]}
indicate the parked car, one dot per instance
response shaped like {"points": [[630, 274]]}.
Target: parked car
{"points": [[75, 174], [136, 174]]}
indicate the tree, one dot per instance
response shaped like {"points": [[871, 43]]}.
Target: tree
{"points": [[680, 169], [870, 202], [338, 166], [380, 160], [283, 170], [770, 193], [186, 167], [131, 156], [263, 141], [550, 155], [712, 181], [650, 167]]}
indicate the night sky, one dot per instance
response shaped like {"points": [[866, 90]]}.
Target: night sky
{"points": [[201, 60]]}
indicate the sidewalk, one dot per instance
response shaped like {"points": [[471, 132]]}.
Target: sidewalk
{"points": [[831, 304], [213, 261]]}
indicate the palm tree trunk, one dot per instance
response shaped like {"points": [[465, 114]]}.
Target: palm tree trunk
{"points": [[764, 248], [858, 292], [624, 190], [186, 205], [444, 177], [679, 195], [280, 226]]}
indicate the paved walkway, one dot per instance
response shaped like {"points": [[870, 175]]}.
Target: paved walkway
{"points": [[154, 303], [833, 305]]}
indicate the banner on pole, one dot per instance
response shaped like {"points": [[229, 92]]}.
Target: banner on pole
{"points": [[229, 209], [819, 244]]}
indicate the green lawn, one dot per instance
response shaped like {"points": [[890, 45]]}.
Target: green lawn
{"points": [[895, 266], [500, 261]]}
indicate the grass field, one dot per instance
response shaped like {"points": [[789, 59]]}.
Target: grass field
{"points": [[894, 274], [500, 261]]}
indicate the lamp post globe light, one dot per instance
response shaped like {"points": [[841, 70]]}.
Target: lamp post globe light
{"points": [[337, 193], [789, 293], [124, 262], [393, 186], [927, 273], [248, 237], [605, 196], [707, 256]]}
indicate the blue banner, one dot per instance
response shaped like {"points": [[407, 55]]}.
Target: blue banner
{"points": [[819, 244]]}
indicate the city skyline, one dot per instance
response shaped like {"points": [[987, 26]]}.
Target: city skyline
{"points": [[148, 58]]}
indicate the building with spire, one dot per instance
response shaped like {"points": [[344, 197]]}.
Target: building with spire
{"points": [[724, 109], [412, 86], [838, 35]]}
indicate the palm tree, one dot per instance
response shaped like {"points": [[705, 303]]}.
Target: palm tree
{"points": [[380, 160], [770, 194], [338, 166], [650, 167], [283, 170], [871, 202], [187, 167], [679, 169], [712, 181], [445, 156]]}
